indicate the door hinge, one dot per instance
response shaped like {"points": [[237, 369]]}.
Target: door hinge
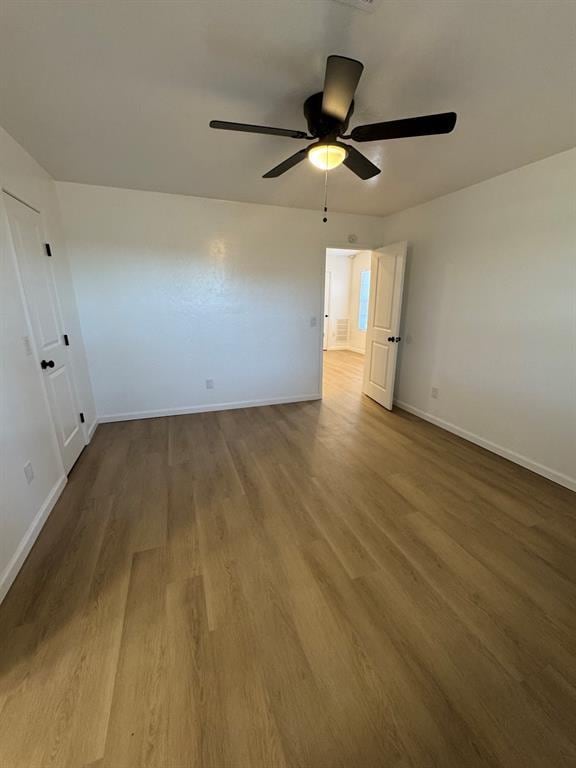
{"points": [[66, 340], [48, 249], [82, 419]]}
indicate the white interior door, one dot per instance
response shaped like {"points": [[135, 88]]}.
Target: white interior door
{"points": [[382, 334], [327, 290], [35, 268]]}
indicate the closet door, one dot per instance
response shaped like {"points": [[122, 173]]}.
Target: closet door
{"points": [[36, 274]]}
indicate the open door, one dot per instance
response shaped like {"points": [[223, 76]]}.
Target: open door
{"points": [[382, 333]]}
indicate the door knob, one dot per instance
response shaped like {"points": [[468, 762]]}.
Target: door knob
{"points": [[395, 338], [47, 364]]}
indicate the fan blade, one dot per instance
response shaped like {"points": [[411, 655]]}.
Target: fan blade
{"points": [[428, 125], [286, 165], [340, 83], [223, 125], [360, 164]]}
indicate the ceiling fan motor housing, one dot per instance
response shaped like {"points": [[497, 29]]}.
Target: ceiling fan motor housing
{"points": [[321, 125]]}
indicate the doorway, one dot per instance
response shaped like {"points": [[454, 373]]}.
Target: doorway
{"points": [[362, 307], [346, 296]]}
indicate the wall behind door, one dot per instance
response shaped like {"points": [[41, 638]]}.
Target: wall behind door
{"points": [[338, 265]]}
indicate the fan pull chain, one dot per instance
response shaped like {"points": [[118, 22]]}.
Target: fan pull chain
{"points": [[325, 219]]}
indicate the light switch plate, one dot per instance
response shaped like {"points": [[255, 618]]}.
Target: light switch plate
{"points": [[28, 472]]}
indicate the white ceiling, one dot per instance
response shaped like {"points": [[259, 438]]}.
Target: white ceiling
{"points": [[120, 93]]}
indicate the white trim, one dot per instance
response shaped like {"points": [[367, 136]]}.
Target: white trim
{"points": [[359, 350], [90, 431], [205, 408], [18, 558], [19, 199], [517, 458]]}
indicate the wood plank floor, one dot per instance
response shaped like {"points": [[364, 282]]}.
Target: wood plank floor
{"points": [[318, 585]]}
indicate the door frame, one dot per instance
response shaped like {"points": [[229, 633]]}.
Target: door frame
{"points": [[361, 246], [326, 317], [30, 329]]}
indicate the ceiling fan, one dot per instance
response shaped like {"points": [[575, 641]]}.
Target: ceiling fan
{"points": [[328, 114]]}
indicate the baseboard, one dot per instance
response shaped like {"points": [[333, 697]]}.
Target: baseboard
{"points": [[517, 458], [359, 350], [11, 570], [92, 429], [205, 408]]}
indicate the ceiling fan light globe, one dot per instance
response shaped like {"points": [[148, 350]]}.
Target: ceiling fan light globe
{"points": [[327, 156]]}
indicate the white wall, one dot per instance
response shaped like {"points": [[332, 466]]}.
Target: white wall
{"points": [[338, 265], [490, 314], [360, 263], [175, 290], [26, 432]]}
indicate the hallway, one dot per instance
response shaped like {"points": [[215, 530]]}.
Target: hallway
{"points": [[343, 371]]}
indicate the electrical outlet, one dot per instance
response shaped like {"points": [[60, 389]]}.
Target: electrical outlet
{"points": [[435, 393], [28, 472], [209, 383]]}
